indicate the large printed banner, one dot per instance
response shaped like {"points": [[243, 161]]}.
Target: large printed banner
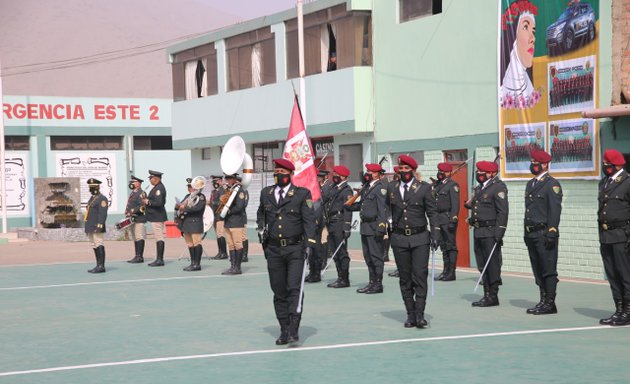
{"points": [[99, 165], [547, 76]]}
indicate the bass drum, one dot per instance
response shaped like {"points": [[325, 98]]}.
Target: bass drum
{"points": [[208, 219]]}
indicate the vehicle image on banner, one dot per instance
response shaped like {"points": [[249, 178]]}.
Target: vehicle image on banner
{"points": [[576, 22]]}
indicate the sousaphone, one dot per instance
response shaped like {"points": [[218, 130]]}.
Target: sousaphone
{"points": [[233, 157]]}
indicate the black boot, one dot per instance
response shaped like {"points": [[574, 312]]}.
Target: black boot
{"points": [[443, 273], [294, 326], [159, 258], [323, 251], [368, 286], [452, 265], [100, 260], [191, 251], [548, 306], [197, 253], [343, 280], [377, 285], [314, 274], [138, 257], [394, 274], [386, 243], [533, 309], [245, 251], [490, 297], [231, 269], [223, 254], [284, 332], [236, 269], [421, 322], [411, 313], [615, 316], [624, 317], [96, 258]]}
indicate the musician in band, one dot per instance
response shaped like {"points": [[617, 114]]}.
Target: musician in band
{"points": [[286, 227], [339, 222], [446, 193], [215, 203], [95, 217], [235, 221], [489, 211], [320, 254], [189, 220], [413, 234], [135, 210], [156, 214], [245, 258], [374, 214]]}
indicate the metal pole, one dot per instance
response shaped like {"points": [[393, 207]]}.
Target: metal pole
{"points": [[300, 20], [3, 175]]}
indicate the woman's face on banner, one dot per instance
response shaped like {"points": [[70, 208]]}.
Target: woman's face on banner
{"points": [[525, 39]]}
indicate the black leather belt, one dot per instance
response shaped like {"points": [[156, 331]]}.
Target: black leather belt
{"points": [[443, 210], [335, 213], [535, 227], [366, 220], [483, 223], [410, 231], [614, 225], [285, 242]]}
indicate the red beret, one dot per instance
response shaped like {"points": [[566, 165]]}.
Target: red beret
{"points": [[540, 156], [341, 170], [445, 167], [395, 169], [614, 157], [374, 167], [404, 159], [284, 163], [487, 166]]}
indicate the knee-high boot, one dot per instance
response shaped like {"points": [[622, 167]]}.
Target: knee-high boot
{"points": [[159, 258], [191, 251], [245, 251]]}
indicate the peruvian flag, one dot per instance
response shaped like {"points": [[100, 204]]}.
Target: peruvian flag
{"points": [[299, 151]]}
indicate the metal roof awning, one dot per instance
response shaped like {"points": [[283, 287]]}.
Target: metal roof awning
{"points": [[614, 111]]}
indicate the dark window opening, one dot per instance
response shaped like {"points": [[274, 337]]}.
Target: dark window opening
{"points": [[17, 143], [86, 143], [152, 142], [414, 9]]}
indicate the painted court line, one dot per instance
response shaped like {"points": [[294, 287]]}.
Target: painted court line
{"points": [[304, 349]]}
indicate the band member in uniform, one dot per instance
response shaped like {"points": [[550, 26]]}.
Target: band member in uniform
{"points": [[489, 216], [189, 219], [215, 202], [339, 223], [320, 252], [156, 214], [135, 208], [614, 233], [244, 238], [286, 226], [374, 213], [543, 204], [413, 234], [235, 221], [395, 178], [446, 192], [95, 217]]}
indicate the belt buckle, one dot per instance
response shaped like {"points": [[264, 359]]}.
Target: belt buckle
{"points": [[407, 231], [283, 242], [605, 226], [528, 228]]}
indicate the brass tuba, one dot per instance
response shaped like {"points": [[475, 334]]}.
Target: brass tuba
{"points": [[233, 156]]}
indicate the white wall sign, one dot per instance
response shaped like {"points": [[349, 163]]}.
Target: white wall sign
{"points": [[99, 165], [18, 202]]}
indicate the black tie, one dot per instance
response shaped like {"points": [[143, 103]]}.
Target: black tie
{"points": [[608, 182], [406, 187], [535, 182], [280, 196]]}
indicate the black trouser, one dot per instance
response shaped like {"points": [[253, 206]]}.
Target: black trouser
{"points": [[483, 248], [616, 260], [448, 245], [335, 237], [413, 267], [373, 253], [315, 261], [544, 263], [285, 265]]}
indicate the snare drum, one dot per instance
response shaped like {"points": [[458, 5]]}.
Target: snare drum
{"points": [[124, 223]]}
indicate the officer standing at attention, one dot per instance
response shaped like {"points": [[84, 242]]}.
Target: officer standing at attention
{"points": [[395, 178], [156, 214], [374, 214], [135, 208], [286, 226], [95, 217], [613, 219], [446, 192], [190, 219], [235, 221], [489, 216], [543, 204], [339, 224], [321, 236], [413, 214], [244, 239], [215, 202]]}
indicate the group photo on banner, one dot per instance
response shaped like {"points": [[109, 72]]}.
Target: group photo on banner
{"points": [[548, 75]]}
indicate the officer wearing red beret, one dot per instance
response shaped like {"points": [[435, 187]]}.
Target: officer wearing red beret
{"points": [[320, 251], [286, 227], [374, 213], [613, 219], [446, 192], [543, 204], [489, 216]]}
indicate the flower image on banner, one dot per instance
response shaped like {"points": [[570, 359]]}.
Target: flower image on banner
{"points": [[547, 76]]}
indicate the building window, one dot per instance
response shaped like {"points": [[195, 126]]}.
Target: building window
{"points": [[351, 156], [17, 143], [264, 153], [206, 153], [414, 9], [251, 59], [455, 155], [195, 73], [333, 39], [86, 143], [146, 143]]}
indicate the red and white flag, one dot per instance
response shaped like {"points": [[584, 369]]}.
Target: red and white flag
{"points": [[299, 151]]}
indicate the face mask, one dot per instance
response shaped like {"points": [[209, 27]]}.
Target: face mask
{"points": [[94, 190], [609, 169], [535, 169], [131, 186], [441, 176], [282, 180], [406, 176], [337, 180], [481, 178], [215, 185], [367, 178]]}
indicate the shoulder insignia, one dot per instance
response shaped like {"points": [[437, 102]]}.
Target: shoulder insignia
{"points": [[456, 188], [158, 193], [617, 179], [103, 203], [241, 196], [414, 186], [271, 191], [291, 192], [384, 191], [556, 189], [501, 195], [309, 203]]}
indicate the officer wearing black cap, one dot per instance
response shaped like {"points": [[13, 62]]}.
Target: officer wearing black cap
{"points": [[244, 239], [286, 226], [320, 250], [235, 221], [189, 217], [156, 214], [95, 217], [136, 209], [215, 202]]}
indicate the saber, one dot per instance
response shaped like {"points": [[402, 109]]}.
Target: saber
{"points": [[301, 297], [485, 267], [332, 257], [432, 272]]}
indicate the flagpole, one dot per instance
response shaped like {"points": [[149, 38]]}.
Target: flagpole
{"points": [[300, 20]]}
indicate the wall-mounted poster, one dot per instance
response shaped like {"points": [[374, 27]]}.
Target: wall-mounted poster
{"points": [[16, 176], [99, 165], [547, 76]]}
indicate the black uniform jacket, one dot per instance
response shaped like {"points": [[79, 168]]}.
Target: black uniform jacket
{"points": [[373, 209], [339, 219], [134, 205], [410, 214], [191, 218], [489, 209], [614, 209], [543, 205], [156, 212], [215, 202], [320, 212], [96, 214], [237, 216], [447, 196]]}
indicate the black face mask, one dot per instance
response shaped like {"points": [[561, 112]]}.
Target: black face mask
{"points": [[367, 178], [94, 190], [609, 169], [131, 186], [535, 169], [481, 177], [441, 176], [406, 177], [337, 180], [282, 180]]}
